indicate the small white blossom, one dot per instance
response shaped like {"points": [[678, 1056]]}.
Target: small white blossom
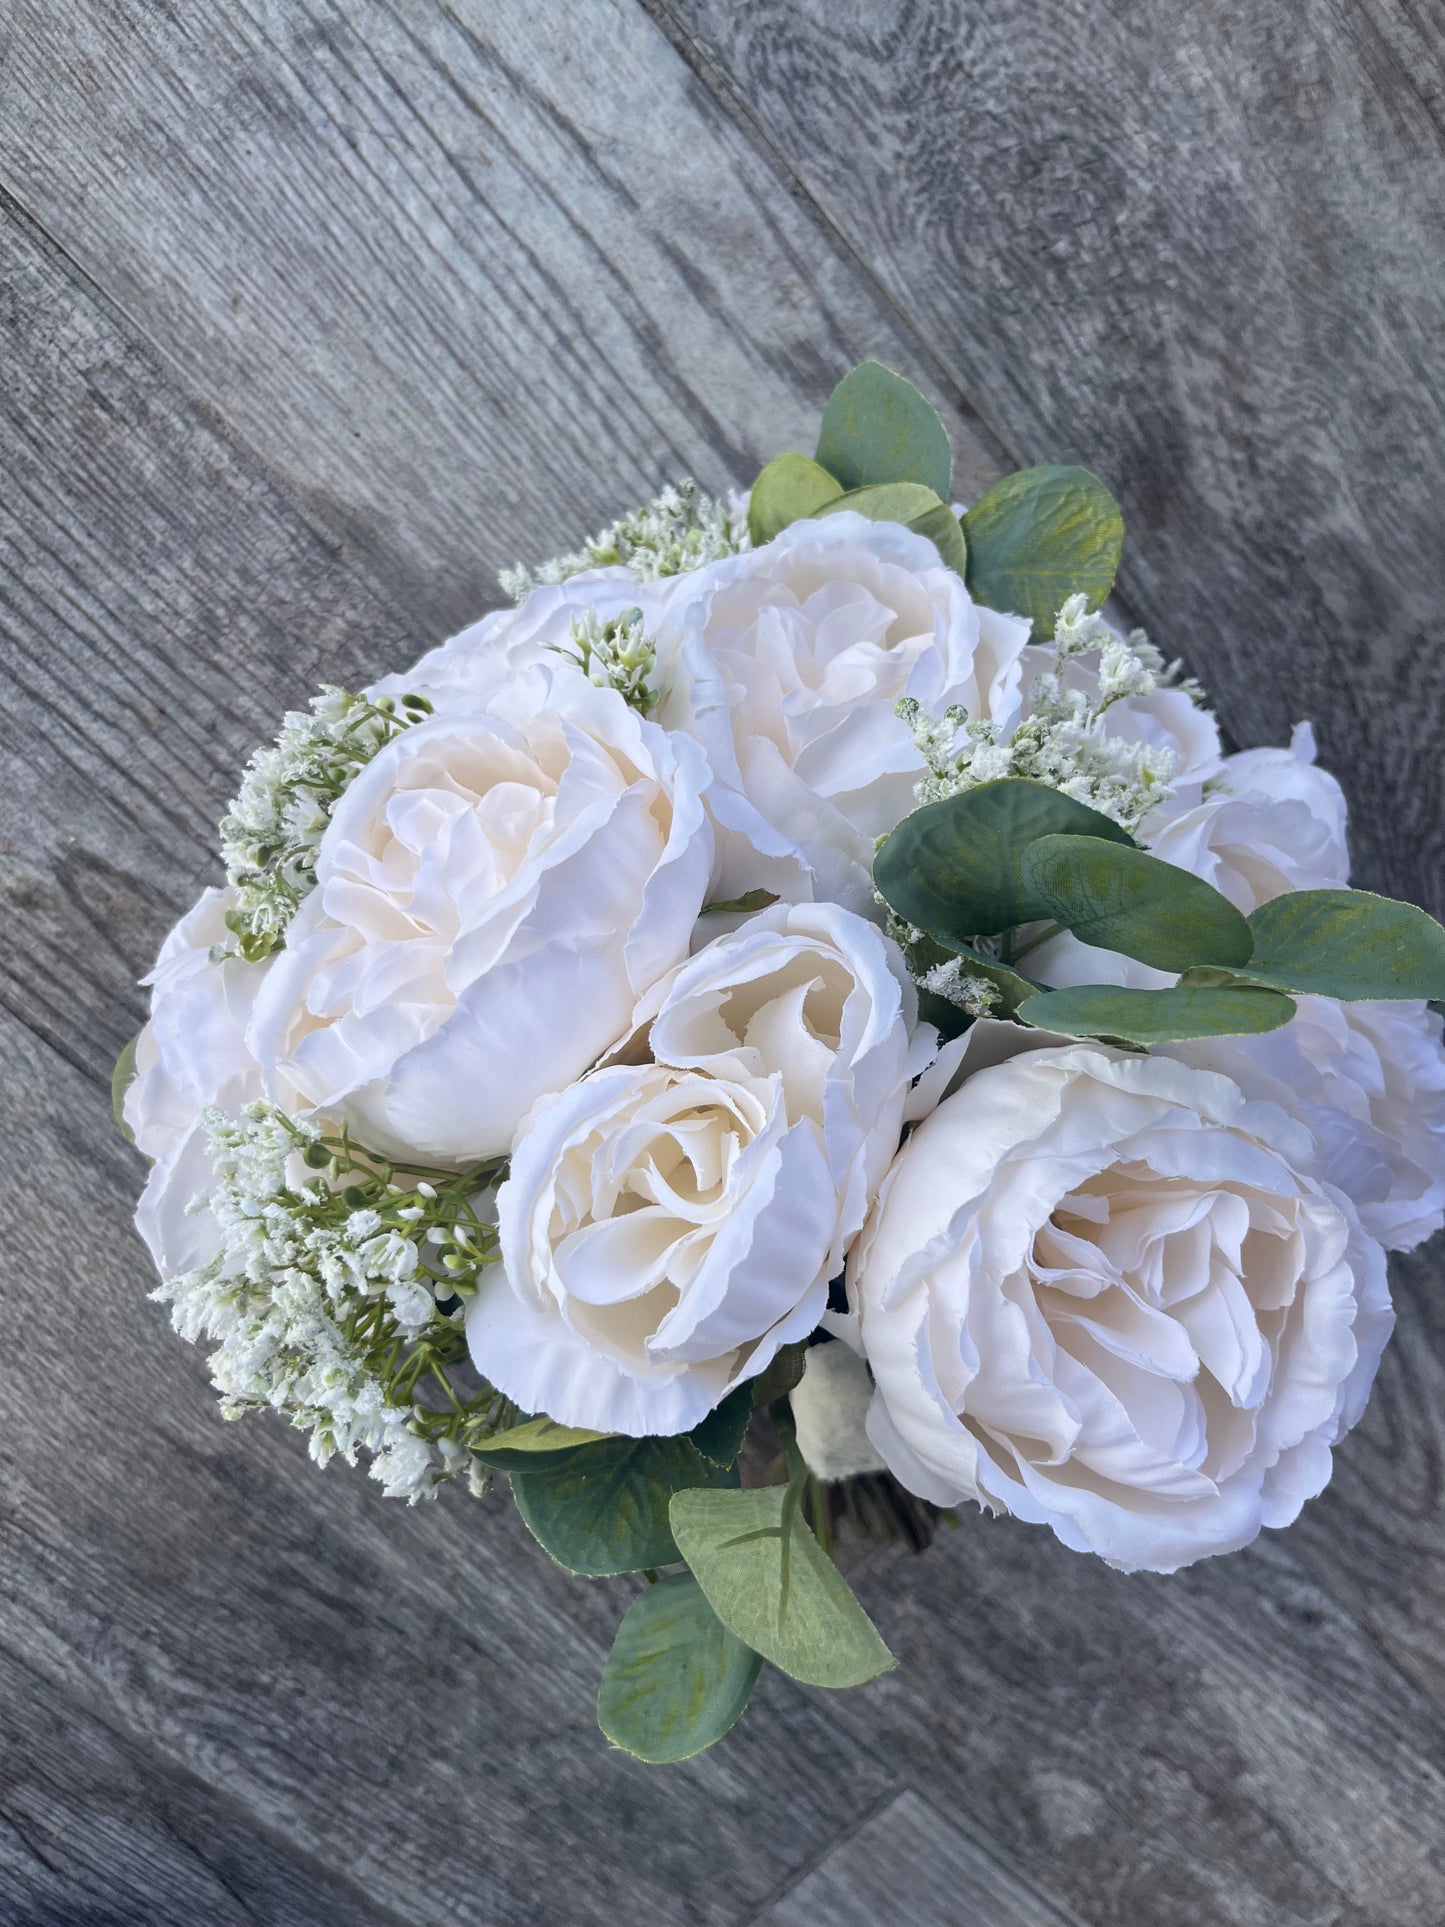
{"points": [[273, 830], [615, 652], [678, 530], [957, 984]]}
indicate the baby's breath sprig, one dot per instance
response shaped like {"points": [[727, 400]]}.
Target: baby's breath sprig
{"points": [[338, 1297], [1065, 741], [678, 530], [273, 830], [616, 653]]}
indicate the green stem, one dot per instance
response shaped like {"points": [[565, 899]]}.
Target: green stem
{"points": [[1017, 956]]}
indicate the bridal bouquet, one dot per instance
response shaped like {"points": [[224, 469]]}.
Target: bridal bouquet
{"points": [[795, 1025]]}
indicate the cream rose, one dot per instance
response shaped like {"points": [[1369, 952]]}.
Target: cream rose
{"points": [[1099, 1292], [494, 893], [1369, 1080], [787, 662], [192, 1054], [666, 1226], [663, 1232]]}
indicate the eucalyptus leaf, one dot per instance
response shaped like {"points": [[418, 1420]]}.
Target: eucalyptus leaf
{"points": [[1119, 898], [676, 1679], [1157, 1016], [1347, 944], [536, 1445], [790, 489], [603, 1509], [774, 1588], [916, 508], [749, 901], [878, 428], [121, 1079], [720, 1435], [1039, 537], [954, 867]]}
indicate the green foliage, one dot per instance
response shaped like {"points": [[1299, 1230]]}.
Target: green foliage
{"points": [[1039, 537], [1157, 1016], [916, 508], [790, 489], [774, 1588], [1120, 898], [878, 428], [1347, 944], [121, 1079], [676, 1679], [954, 868], [603, 1508], [749, 901], [536, 1445], [720, 1436]]}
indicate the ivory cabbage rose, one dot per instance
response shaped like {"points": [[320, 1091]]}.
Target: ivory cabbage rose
{"points": [[665, 1227], [495, 891], [190, 1055], [787, 662], [1369, 1080], [1099, 1292]]}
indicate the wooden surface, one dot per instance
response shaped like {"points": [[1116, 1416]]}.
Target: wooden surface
{"points": [[314, 314]]}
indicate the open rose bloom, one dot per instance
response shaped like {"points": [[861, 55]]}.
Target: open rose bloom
{"points": [[757, 1039]]}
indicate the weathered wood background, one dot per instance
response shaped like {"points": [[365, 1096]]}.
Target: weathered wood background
{"points": [[317, 311]]}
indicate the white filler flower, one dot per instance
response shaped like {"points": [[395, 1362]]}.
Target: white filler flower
{"points": [[1098, 1292], [787, 663], [666, 1227], [495, 891]]}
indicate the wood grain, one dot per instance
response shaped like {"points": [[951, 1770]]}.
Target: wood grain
{"points": [[909, 1863], [1197, 248], [472, 278]]}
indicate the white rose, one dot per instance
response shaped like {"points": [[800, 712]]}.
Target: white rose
{"points": [[666, 1227], [1098, 1291], [1272, 821], [191, 1054], [494, 893], [787, 663], [663, 1232], [467, 670], [1369, 1080], [817, 997]]}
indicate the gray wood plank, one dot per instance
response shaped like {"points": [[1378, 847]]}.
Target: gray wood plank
{"points": [[1197, 247], [910, 1865], [472, 278], [160, 605], [401, 1697], [1223, 1745], [99, 1830]]}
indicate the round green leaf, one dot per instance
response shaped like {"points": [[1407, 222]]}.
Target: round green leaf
{"points": [[790, 489], [1120, 898], [121, 1079], [1347, 944], [603, 1509], [534, 1446], [1156, 1016], [953, 867], [916, 508], [1039, 537], [774, 1588], [878, 428], [676, 1679], [720, 1435]]}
